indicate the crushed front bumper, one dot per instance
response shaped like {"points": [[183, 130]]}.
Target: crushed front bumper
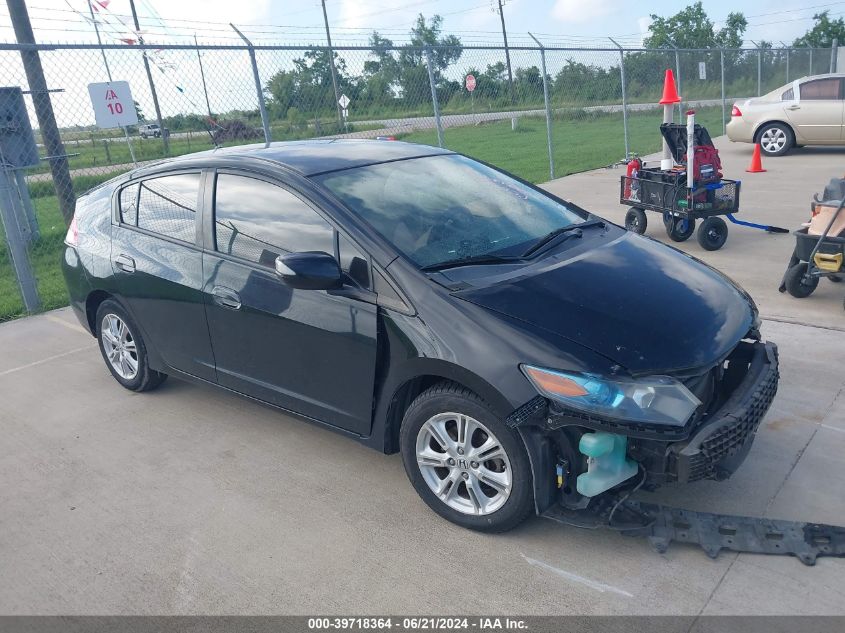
{"points": [[711, 447], [719, 446]]}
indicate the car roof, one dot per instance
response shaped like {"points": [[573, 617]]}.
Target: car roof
{"points": [[309, 157]]}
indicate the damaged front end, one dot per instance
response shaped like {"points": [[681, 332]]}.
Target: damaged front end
{"points": [[590, 457]]}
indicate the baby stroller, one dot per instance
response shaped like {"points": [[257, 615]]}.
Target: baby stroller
{"points": [[820, 245]]}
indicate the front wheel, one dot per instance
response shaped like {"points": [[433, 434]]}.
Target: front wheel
{"points": [[464, 462], [636, 221], [712, 234], [124, 350], [798, 284]]}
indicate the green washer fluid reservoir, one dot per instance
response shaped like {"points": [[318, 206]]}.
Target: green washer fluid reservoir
{"points": [[607, 465]]}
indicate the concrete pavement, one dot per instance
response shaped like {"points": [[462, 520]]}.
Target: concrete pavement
{"points": [[189, 500]]}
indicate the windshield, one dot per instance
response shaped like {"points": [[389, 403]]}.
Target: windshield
{"points": [[445, 208]]}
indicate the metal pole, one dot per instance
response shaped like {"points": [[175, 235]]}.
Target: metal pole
{"points": [[10, 219], [787, 49], [265, 122], [724, 101], [108, 74], [759, 71], [624, 96], [507, 51], [834, 45], [811, 59], [153, 92], [548, 107], [202, 75], [43, 109], [331, 65], [429, 65], [678, 78]]}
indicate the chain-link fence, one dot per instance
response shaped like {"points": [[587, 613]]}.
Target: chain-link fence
{"points": [[538, 112]]}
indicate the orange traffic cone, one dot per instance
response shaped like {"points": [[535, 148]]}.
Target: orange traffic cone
{"points": [[670, 92], [756, 165]]}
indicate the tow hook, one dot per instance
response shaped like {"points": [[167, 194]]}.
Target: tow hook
{"points": [[713, 532]]}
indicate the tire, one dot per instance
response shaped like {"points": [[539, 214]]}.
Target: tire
{"points": [[795, 283], [636, 221], [837, 279], [438, 412], [712, 234], [144, 136], [680, 229], [775, 139], [120, 347]]}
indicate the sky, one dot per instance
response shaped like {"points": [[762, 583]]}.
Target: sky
{"points": [[562, 22]]}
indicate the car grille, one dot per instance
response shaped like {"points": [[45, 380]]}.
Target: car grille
{"points": [[731, 435]]}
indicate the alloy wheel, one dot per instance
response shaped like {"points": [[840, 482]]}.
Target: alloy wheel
{"points": [[773, 140], [119, 345], [464, 464]]}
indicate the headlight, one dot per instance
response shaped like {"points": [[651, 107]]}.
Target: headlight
{"points": [[656, 399]]}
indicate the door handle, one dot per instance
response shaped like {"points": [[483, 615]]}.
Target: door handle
{"points": [[226, 297], [793, 107], [125, 263]]}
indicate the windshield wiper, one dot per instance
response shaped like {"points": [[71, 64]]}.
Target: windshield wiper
{"points": [[474, 260], [572, 230]]}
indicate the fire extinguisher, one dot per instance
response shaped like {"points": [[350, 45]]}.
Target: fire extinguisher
{"points": [[634, 166]]}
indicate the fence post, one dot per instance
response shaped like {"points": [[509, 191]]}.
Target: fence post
{"points": [[548, 107], [811, 59], [724, 102], [759, 71], [833, 50], [787, 65], [624, 96], [678, 78], [10, 218], [265, 123], [431, 81]]}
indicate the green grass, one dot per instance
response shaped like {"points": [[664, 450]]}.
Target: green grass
{"points": [[588, 141]]}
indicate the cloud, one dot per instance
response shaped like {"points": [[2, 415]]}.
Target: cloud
{"points": [[579, 12], [210, 10]]}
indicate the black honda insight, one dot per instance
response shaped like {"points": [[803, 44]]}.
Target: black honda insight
{"points": [[520, 352]]}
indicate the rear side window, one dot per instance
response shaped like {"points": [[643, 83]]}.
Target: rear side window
{"points": [[787, 95], [129, 205], [259, 221], [168, 206], [821, 89]]}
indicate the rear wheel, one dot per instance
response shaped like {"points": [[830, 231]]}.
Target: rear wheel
{"points": [[835, 278], [679, 229], [123, 349], [712, 234], [797, 283], [636, 221], [776, 139], [464, 462]]}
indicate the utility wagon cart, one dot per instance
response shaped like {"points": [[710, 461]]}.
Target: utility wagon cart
{"points": [[667, 191]]}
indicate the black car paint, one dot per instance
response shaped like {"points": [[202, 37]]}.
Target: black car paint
{"points": [[607, 303]]}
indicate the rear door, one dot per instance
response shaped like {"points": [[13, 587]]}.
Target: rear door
{"points": [[309, 351], [817, 115], [158, 267]]}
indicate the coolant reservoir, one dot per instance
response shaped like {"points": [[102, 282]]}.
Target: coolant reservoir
{"points": [[607, 465]]}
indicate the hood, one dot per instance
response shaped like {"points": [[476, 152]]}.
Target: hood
{"points": [[644, 305]]}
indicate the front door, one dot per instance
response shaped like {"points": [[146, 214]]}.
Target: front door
{"points": [[310, 351], [158, 267], [817, 115]]}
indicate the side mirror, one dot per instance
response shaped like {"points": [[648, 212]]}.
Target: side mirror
{"points": [[311, 270]]}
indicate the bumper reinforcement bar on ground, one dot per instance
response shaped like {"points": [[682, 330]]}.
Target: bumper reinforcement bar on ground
{"points": [[713, 532]]}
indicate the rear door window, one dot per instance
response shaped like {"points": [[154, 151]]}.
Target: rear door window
{"points": [[821, 90], [168, 206], [258, 221], [129, 205]]}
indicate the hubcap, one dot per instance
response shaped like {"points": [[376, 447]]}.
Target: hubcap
{"points": [[773, 140], [464, 464], [119, 346]]}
